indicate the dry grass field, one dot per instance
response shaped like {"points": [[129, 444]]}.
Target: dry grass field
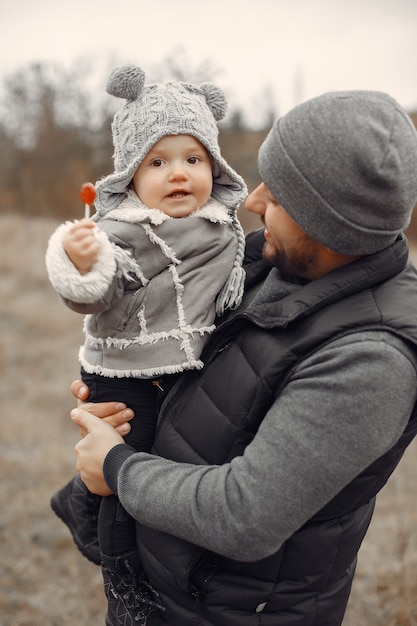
{"points": [[44, 581]]}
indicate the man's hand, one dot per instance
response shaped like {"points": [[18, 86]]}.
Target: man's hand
{"points": [[93, 448], [114, 413]]}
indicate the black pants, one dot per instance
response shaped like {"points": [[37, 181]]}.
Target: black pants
{"points": [[116, 529]]}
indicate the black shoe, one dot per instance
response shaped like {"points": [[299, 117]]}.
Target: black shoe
{"points": [[130, 600], [78, 509]]}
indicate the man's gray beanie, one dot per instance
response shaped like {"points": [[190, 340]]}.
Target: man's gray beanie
{"points": [[344, 167]]}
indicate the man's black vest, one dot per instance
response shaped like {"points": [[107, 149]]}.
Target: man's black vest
{"points": [[212, 415]]}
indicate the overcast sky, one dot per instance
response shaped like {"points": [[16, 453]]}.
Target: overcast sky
{"points": [[297, 48]]}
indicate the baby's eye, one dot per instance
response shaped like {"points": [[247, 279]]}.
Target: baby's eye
{"points": [[193, 160], [157, 162]]}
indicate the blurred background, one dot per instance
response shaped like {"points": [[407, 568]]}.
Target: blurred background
{"points": [[268, 56]]}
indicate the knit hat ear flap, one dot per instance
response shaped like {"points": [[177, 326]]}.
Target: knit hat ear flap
{"points": [[126, 81], [231, 294]]}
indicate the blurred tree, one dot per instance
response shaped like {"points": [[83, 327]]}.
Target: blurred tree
{"points": [[51, 141], [55, 132]]}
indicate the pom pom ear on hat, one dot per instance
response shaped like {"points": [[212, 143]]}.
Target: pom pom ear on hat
{"points": [[215, 99], [126, 81]]}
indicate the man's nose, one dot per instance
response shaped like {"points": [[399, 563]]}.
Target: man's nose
{"points": [[255, 202]]}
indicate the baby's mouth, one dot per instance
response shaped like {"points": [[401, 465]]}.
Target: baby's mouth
{"points": [[178, 194]]}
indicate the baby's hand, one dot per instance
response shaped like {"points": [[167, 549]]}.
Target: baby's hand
{"points": [[81, 245]]}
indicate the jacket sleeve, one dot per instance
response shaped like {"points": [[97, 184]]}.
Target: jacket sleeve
{"points": [[102, 286], [343, 408]]}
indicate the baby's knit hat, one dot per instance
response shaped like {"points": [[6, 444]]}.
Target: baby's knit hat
{"points": [[154, 111], [344, 167]]}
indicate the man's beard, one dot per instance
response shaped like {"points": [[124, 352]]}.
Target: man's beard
{"points": [[298, 262]]}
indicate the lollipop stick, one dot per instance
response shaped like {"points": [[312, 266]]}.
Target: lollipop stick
{"points": [[86, 211]]}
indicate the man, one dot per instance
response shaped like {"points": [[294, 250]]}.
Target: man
{"points": [[267, 462]]}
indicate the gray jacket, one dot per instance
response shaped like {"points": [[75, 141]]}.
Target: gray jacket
{"points": [[151, 296]]}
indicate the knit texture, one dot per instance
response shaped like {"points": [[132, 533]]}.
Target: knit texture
{"points": [[154, 111], [344, 167]]}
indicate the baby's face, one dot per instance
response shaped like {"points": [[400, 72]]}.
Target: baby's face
{"points": [[175, 176]]}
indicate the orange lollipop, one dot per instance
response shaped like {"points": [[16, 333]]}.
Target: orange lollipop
{"points": [[88, 195]]}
